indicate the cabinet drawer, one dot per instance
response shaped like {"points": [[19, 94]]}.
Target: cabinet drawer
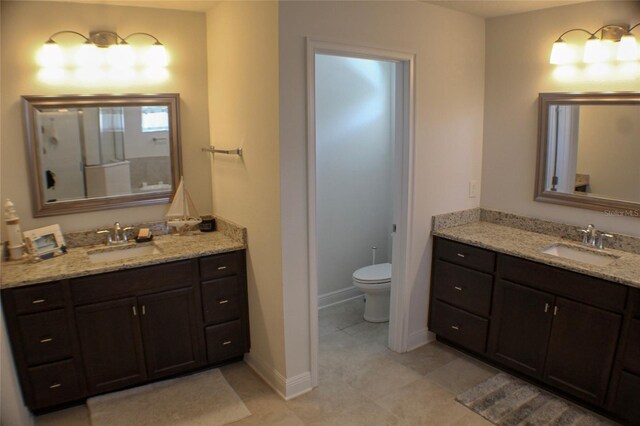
{"points": [[465, 255], [45, 336], [632, 352], [583, 288], [113, 285], [221, 265], [462, 287], [627, 403], [224, 341], [38, 298], [460, 327], [221, 299], [54, 383]]}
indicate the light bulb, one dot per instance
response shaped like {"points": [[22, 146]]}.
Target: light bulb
{"points": [[561, 53], [50, 55], [121, 56], [627, 48], [156, 56], [594, 51], [89, 55]]}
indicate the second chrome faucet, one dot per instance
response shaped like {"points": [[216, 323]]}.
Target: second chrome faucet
{"points": [[116, 236], [593, 238]]}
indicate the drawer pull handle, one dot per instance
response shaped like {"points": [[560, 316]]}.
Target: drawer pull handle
{"points": [[546, 307], [455, 327], [222, 302], [55, 385], [46, 340], [555, 310], [220, 268], [36, 301], [457, 287], [228, 342], [462, 255]]}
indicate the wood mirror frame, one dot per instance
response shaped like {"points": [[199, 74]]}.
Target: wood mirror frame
{"points": [[583, 200], [34, 104]]}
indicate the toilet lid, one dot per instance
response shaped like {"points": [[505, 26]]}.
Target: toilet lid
{"points": [[374, 273]]}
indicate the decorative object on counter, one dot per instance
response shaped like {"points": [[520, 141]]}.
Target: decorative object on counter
{"points": [[182, 214], [14, 233], [44, 243], [208, 224], [144, 235]]}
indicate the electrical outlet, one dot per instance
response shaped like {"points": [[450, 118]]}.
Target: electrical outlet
{"points": [[473, 189]]}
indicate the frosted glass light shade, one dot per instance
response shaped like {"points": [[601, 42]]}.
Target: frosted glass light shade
{"points": [[50, 56], [156, 56], [594, 51], [121, 56], [561, 53], [89, 56], [627, 48]]}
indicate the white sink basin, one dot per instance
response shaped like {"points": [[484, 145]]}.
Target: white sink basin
{"points": [[119, 253], [580, 255]]}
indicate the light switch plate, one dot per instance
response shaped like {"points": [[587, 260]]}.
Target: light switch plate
{"points": [[473, 189]]}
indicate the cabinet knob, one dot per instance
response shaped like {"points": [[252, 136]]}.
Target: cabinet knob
{"points": [[46, 340], [55, 385], [36, 301], [457, 287], [227, 342], [455, 327]]}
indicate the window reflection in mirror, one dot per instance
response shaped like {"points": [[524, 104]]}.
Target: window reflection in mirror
{"points": [[589, 150], [92, 154]]}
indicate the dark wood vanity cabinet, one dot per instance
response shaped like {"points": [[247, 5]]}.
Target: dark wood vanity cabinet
{"points": [[84, 336], [558, 327]]}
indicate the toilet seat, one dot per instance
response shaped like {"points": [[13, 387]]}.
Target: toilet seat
{"points": [[373, 274]]}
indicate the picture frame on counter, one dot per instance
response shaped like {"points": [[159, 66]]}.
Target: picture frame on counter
{"points": [[45, 242]]}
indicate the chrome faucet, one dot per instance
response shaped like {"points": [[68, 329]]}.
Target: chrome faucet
{"points": [[119, 235], [591, 237]]}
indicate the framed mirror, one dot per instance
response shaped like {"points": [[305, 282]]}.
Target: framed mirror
{"points": [[589, 151], [100, 152]]}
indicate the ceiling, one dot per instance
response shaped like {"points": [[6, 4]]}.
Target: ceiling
{"points": [[481, 8], [495, 8]]}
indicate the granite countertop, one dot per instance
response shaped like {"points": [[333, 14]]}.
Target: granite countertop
{"points": [[76, 262], [529, 245]]}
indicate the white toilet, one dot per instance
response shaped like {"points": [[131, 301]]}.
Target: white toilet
{"points": [[375, 282]]}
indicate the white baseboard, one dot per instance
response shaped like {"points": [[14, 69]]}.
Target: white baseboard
{"points": [[338, 296], [286, 388], [419, 338]]}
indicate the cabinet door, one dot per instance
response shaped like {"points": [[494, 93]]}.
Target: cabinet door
{"points": [[520, 327], [111, 345], [168, 331], [581, 349]]}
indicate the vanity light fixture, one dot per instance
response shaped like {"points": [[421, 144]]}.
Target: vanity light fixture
{"points": [[104, 47], [616, 42]]}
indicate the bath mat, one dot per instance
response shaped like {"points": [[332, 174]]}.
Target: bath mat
{"points": [[200, 399], [505, 400]]}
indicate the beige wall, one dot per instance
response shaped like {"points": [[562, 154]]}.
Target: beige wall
{"points": [[609, 150], [448, 133], [243, 104], [26, 25], [517, 69]]}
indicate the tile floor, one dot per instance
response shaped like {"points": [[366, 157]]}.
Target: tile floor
{"points": [[361, 382]]}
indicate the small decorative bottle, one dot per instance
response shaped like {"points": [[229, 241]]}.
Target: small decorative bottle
{"points": [[14, 233]]}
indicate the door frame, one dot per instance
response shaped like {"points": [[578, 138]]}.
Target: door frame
{"points": [[405, 134]]}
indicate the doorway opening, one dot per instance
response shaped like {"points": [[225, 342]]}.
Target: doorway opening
{"points": [[360, 144]]}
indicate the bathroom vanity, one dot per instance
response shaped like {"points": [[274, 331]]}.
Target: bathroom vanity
{"points": [[119, 324], [555, 322]]}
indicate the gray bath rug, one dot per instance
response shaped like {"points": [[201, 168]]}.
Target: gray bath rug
{"points": [[505, 400], [197, 400]]}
